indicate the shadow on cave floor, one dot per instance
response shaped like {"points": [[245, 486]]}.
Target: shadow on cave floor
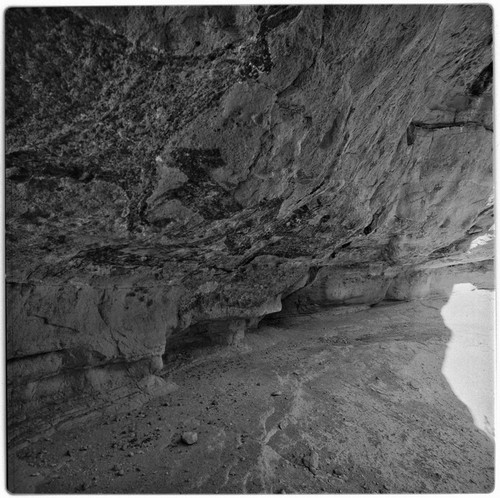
{"points": [[323, 403]]}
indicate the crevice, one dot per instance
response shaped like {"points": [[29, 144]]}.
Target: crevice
{"points": [[482, 82], [411, 130], [275, 16], [46, 322], [33, 356], [369, 228], [313, 272], [449, 124]]}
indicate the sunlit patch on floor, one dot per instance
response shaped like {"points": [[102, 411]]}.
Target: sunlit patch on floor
{"points": [[469, 362]]}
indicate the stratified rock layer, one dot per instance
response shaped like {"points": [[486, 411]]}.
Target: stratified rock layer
{"points": [[186, 169]]}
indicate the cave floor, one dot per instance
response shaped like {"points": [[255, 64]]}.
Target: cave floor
{"points": [[323, 403]]}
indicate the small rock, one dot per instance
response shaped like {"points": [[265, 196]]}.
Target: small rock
{"points": [[189, 437], [36, 474], [121, 472], [130, 454], [277, 393], [115, 467], [68, 453], [311, 461]]}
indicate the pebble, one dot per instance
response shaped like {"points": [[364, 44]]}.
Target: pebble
{"points": [[189, 437], [276, 393], [121, 472]]}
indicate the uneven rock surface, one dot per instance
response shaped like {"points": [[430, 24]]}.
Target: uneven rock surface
{"points": [[182, 172]]}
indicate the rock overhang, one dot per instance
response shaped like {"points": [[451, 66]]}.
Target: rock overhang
{"points": [[212, 161]]}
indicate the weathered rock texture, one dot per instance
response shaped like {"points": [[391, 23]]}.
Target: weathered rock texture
{"points": [[188, 168]]}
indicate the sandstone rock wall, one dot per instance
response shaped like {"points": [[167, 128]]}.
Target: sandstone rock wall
{"points": [[416, 284], [174, 166]]}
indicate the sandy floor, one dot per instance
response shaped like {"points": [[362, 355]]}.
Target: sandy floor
{"points": [[353, 403]]}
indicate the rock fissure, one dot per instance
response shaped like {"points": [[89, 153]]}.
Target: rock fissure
{"points": [[452, 124], [46, 321]]}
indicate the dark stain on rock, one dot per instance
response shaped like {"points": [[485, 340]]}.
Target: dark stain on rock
{"points": [[329, 136], [255, 59], [201, 193], [117, 257], [275, 15], [24, 165], [255, 56], [410, 134]]}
